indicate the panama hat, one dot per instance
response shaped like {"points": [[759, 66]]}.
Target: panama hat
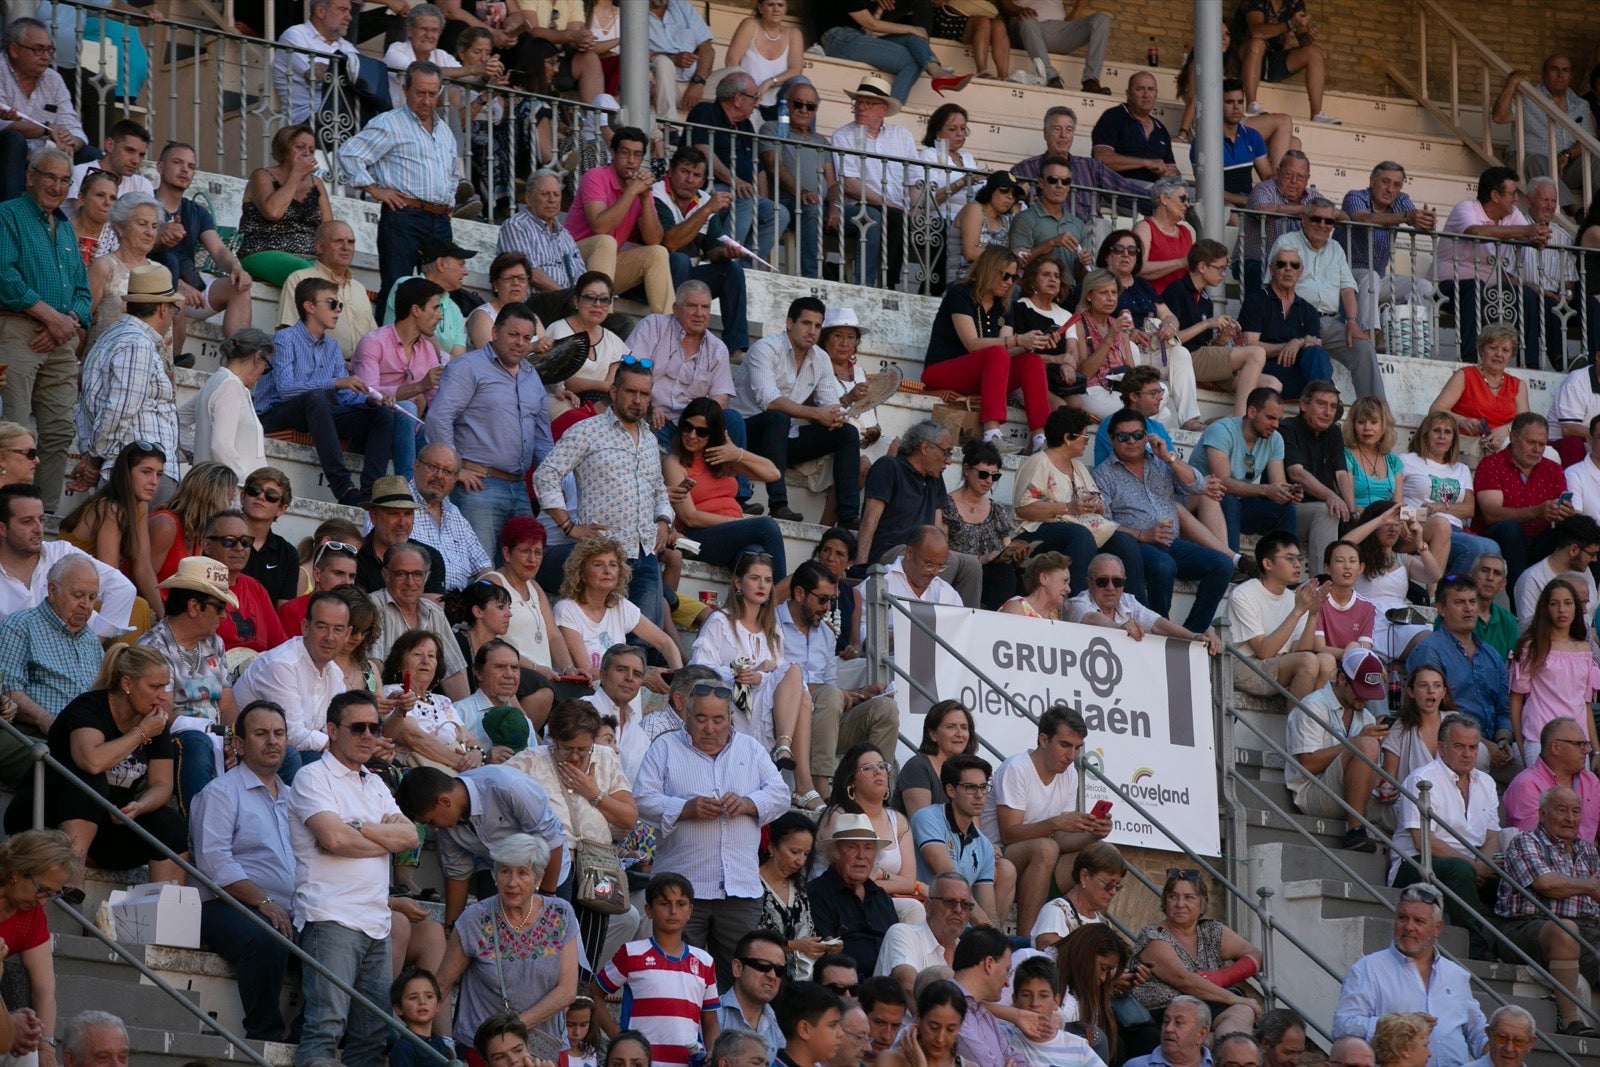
{"points": [[152, 284], [842, 316], [392, 491], [875, 88], [202, 574], [847, 827]]}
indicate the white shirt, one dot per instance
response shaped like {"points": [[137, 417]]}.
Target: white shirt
{"points": [[1572, 401], [1477, 816], [1427, 481], [401, 55], [291, 71], [1082, 604], [939, 591], [1325, 274], [631, 740], [1532, 583], [1254, 612], [1583, 479], [116, 592], [226, 428], [909, 944], [337, 889], [286, 676], [1306, 732], [939, 176], [769, 373], [1059, 917], [885, 177], [1016, 784]]}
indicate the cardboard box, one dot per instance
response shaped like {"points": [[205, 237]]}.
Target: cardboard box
{"points": [[157, 914]]}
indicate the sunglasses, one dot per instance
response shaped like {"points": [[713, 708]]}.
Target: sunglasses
{"points": [[371, 729], [1279, 264], [1050, 179], [1124, 250], [1110, 582], [833, 599], [706, 689], [1009, 276], [955, 903], [987, 476], [1420, 894], [840, 989], [147, 448], [801, 105], [1187, 874], [272, 495], [1320, 220], [632, 360], [335, 546], [332, 304], [230, 540], [28, 453], [1129, 435], [691, 430], [761, 966]]}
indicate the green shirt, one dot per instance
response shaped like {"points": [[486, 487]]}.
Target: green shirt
{"points": [[1499, 633], [1034, 227], [38, 264]]}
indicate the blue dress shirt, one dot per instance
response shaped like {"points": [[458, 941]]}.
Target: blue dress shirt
{"points": [[241, 832], [489, 415], [1481, 686], [304, 363]]}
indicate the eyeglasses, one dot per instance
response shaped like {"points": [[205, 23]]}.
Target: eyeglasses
{"points": [[272, 496], [1581, 746], [1420, 894], [52, 179], [439, 468], [1050, 179], [872, 768], [583, 752], [802, 105], [1507, 1039], [843, 990], [706, 689], [331, 304], [1279, 264], [336, 546], [40, 50], [632, 360], [942, 450], [39, 891], [230, 540], [27, 453], [760, 966], [1110, 581], [371, 729], [597, 299], [852, 1035], [1128, 435], [987, 476], [689, 429], [748, 95], [955, 903], [215, 605], [1124, 250], [409, 576], [976, 789]]}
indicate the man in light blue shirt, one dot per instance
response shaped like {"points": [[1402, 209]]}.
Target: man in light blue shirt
{"points": [[681, 56], [1246, 452], [759, 964], [240, 826], [1540, 134], [1184, 1028], [1410, 975]]}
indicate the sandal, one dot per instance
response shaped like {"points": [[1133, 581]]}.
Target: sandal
{"points": [[783, 755], [810, 800]]}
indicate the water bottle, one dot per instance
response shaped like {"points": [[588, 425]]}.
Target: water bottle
{"points": [[1396, 690], [783, 120], [1152, 54]]}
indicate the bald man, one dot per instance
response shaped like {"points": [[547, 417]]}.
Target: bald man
{"points": [[336, 248]]}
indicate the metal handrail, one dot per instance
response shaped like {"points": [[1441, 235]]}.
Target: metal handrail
{"points": [[43, 759], [1423, 863]]}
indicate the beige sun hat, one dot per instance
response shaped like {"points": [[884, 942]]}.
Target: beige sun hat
{"points": [[202, 574]]}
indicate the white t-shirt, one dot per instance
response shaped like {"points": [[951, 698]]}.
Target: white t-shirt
{"points": [[1305, 733], [1427, 481], [614, 626], [1059, 917], [1583, 479], [1254, 612], [1016, 785], [910, 944]]}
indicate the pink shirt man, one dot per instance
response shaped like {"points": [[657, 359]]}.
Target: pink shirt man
{"points": [[1522, 798], [380, 361], [602, 183]]}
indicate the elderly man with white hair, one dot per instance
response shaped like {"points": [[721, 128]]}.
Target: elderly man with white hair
{"points": [[1512, 1032], [94, 1039], [1550, 270], [1106, 603], [1184, 1027], [48, 656], [1556, 865]]}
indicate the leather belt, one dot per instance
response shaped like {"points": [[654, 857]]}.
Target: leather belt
{"points": [[423, 205], [484, 470]]}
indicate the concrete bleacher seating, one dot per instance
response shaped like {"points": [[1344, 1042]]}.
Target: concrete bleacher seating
{"points": [[1314, 899]]}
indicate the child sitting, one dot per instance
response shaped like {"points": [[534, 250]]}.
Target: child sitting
{"points": [[1036, 987], [415, 999], [581, 1050]]}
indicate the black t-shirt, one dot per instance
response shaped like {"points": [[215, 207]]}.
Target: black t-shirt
{"points": [[92, 711], [369, 569], [910, 499], [1321, 456], [1262, 312], [837, 13], [1190, 306], [276, 565], [943, 341]]}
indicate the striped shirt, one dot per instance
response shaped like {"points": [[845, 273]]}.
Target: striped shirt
{"points": [[1536, 853], [548, 246], [453, 536], [397, 152], [662, 996], [126, 395], [39, 260]]}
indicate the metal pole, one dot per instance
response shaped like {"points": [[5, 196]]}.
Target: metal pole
{"points": [[1207, 134], [1425, 812], [877, 607], [635, 54]]}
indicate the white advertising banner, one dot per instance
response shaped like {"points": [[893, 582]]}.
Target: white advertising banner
{"points": [[1147, 703]]}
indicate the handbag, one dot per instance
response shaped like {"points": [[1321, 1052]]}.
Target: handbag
{"points": [[599, 883], [1100, 527], [972, 8]]}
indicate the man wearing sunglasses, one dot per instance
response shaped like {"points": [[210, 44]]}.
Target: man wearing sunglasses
{"points": [[1287, 326], [1047, 227], [759, 964], [1328, 284], [265, 498], [807, 182], [1107, 603]]}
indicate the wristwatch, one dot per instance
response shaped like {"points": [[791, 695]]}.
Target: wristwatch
{"points": [[696, 80]]}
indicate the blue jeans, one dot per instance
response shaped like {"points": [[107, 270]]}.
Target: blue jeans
{"points": [[1077, 544], [727, 285], [259, 961], [361, 962], [769, 434], [724, 543], [197, 765], [733, 422], [487, 510], [809, 231], [904, 56], [644, 589], [1465, 549], [759, 216], [294, 759], [403, 457], [400, 234], [866, 223], [1256, 515], [1187, 560], [1313, 365]]}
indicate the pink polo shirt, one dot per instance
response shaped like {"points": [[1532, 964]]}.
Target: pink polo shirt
{"points": [[1522, 799], [380, 361], [602, 184]]}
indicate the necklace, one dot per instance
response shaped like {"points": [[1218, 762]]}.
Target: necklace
{"points": [[780, 35], [527, 917]]}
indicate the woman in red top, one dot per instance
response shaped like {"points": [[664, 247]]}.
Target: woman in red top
{"points": [[1165, 237], [37, 865], [700, 469], [175, 530], [1484, 399]]}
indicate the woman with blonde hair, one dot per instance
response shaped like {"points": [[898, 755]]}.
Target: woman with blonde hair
{"points": [[284, 204], [176, 529], [19, 454], [594, 612], [1434, 480], [1369, 440], [97, 195], [1484, 399], [1400, 1039], [743, 644], [1100, 344]]}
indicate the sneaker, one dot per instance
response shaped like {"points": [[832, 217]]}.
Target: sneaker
{"points": [[1577, 1028], [1022, 77], [1356, 840], [1326, 119], [1255, 108]]}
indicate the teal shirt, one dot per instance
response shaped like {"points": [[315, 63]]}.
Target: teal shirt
{"points": [[1247, 463], [36, 264], [1370, 490]]}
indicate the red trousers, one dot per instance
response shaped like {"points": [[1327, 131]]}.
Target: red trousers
{"points": [[993, 373]]}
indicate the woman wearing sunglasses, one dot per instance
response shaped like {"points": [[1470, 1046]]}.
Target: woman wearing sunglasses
{"points": [[700, 470], [112, 524], [982, 526], [1164, 238], [1122, 253], [592, 296], [19, 454]]}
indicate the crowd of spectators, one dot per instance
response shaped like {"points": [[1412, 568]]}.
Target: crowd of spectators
{"points": [[750, 867]]}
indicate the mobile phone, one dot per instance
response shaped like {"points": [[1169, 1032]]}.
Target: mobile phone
{"points": [[687, 483], [579, 679], [1386, 720], [1565, 499], [1101, 810], [1321, 578]]}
